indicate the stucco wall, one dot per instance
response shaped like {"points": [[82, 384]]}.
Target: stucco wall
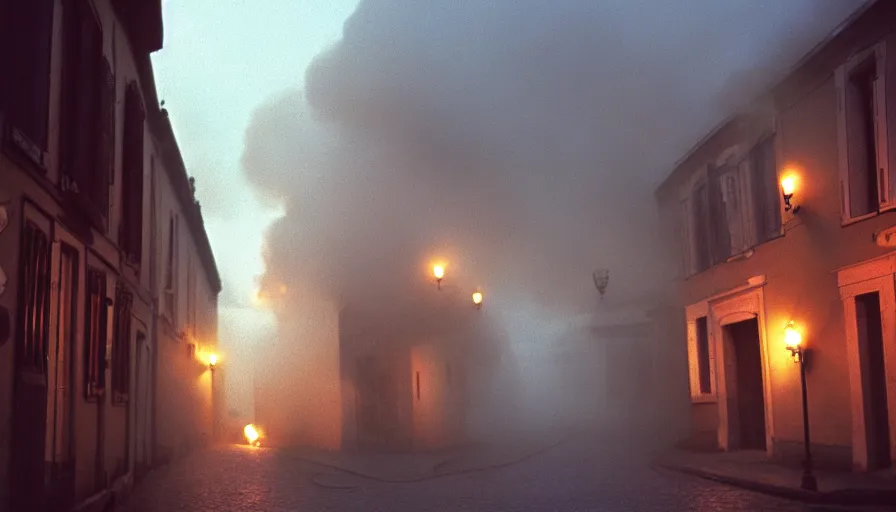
{"points": [[800, 268]]}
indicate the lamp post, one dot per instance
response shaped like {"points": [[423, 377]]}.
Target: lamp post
{"points": [[477, 300], [794, 341], [212, 364], [438, 271]]}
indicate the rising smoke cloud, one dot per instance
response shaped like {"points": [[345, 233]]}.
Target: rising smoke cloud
{"points": [[520, 141]]}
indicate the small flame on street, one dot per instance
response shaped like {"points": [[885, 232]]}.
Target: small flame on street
{"points": [[252, 435]]}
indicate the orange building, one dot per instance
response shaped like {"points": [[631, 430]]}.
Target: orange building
{"points": [[108, 286], [752, 262]]}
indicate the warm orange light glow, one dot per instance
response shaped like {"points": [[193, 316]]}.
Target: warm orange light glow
{"points": [[792, 337], [253, 436], [788, 184], [438, 271], [477, 298], [213, 360], [283, 289]]}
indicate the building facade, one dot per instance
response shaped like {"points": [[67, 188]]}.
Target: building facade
{"points": [[108, 287], [751, 264]]}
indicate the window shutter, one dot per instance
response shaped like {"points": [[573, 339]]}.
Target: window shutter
{"points": [[718, 220], [693, 370], [27, 72], [842, 143], [106, 140], [687, 244], [887, 199], [132, 170]]}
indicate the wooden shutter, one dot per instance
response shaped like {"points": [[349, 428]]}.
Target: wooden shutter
{"points": [[842, 144], [121, 350], [687, 243], [886, 197], [28, 29], [105, 142], [718, 219], [131, 235]]}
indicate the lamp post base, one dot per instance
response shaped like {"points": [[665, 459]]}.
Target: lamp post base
{"points": [[808, 482]]}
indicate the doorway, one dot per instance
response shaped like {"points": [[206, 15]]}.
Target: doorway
{"points": [[874, 379], [746, 401]]}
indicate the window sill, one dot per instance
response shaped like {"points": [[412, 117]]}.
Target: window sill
{"points": [[860, 218], [704, 399]]}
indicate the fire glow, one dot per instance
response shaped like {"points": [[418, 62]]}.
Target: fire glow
{"points": [[252, 435]]}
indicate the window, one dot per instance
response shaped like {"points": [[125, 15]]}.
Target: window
{"points": [[765, 191], [191, 298], [121, 346], [701, 227], [28, 43], [131, 232], [700, 358], [864, 180], [171, 271], [88, 113], [735, 207], [35, 312], [95, 335], [703, 356]]}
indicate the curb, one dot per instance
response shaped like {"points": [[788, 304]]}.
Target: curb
{"points": [[435, 474], [867, 497]]}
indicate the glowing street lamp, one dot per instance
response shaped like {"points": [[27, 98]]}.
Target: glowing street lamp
{"points": [[477, 300], [788, 187], [793, 340], [212, 362], [438, 271]]}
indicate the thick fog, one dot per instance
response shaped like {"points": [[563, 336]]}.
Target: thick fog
{"points": [[519, 142]]}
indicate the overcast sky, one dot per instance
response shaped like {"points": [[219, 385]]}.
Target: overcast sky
{"points": [[521, 139]]}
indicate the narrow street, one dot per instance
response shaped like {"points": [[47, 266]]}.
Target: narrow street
{"points": [[574, 476]]}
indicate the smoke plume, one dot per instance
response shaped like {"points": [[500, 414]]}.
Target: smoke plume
{"points": [[518, 141]]}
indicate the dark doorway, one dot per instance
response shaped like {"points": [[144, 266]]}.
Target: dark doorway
{"points": [[874, 379], [746, 398]]}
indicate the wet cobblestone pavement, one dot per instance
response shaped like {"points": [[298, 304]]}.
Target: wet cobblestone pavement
{"points": [[571, 477]]}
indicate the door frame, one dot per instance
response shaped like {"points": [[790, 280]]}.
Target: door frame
{"points": [[744, 303], [870, 276]]}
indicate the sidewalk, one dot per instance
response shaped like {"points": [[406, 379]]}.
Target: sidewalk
{"points": [[415, 467], [753, 470]]}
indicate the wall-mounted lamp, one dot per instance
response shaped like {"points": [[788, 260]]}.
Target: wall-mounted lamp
{"points": [[477, 300], [212, 362], [788, 187], [438, 271]]}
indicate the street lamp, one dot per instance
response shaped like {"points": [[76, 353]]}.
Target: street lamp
{"points": [[477, 300], [212, 362], [438, 271], [793, 339], [601, 280]]}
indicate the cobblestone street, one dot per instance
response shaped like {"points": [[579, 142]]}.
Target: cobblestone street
{"points": [[575, 476]]}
